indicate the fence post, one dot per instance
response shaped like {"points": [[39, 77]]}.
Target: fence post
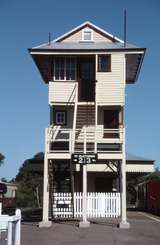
{"points": [[18, 228], [9, 235]]}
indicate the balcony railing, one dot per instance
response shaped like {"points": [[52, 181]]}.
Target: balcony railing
{"points": [[84, 140]]}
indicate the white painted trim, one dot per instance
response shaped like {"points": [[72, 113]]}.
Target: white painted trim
{"points": [[63, 155], [85, 53], [105, 156], [140, 168], [83, 33], [62, 103], [102, 167], [109, 104]]}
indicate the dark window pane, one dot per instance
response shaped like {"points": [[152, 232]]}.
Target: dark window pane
{"points": [[70, 69], [111, 118], [60, 118], [104, 63], [72, 75], [65, 68]]}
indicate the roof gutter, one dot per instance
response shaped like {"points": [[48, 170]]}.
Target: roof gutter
{"points": [[66, 51]]}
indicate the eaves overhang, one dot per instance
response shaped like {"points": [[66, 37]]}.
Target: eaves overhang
{"points": [[134, 56]]}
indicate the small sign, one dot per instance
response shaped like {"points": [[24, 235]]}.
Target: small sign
{"points": [[3, 188], [84, 158]]}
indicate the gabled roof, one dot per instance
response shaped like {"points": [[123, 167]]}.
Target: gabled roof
{"points": [[42, 52], [90, 25], [80, 27]]}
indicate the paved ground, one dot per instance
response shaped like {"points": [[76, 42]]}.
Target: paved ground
{"points": [[145, 229]]}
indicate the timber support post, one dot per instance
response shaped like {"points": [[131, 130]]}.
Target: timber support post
{"points": [[84, 223]]}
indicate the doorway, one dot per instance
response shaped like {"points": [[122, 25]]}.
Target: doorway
{"points": [[86, 78]]}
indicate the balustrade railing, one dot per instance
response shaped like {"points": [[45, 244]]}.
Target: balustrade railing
{"points": [[69, 140]]}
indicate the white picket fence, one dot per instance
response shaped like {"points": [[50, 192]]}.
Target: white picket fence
{"points": [[11, 225], [99, 205]]}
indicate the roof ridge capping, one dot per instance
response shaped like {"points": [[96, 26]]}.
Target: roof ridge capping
{"points": [[58, 39]]}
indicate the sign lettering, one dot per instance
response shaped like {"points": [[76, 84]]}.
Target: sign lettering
{"points": [[84, 158]]}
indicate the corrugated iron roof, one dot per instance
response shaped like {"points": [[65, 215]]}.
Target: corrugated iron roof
{"points": [[130, 157], [85, 46]]}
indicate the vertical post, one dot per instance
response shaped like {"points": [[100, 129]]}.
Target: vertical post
{"points": [[9, 235], [75, 118], [85, 141], [84, 223], [70, 141], [18, 228], [123, 223], [0, 208], [96, 107], [1, 197], [0, 211], [45, 222]]}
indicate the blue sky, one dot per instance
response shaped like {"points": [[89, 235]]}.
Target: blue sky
{"points": [[24, 111]]}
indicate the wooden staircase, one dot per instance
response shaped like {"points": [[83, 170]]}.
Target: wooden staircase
{"points": [[85, 115], [85, 118]]}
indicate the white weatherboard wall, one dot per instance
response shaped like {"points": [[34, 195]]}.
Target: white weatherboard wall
{"points": [[110, 86], [62, 92]]}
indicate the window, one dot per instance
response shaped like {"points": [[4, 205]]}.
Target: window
{"points": [[104, 63], [64, 68], [111, 121], [60, 118], [87, 35]]}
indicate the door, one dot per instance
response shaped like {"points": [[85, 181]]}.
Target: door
{"points": [[86, 79]]}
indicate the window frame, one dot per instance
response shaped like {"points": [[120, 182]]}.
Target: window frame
{"points": [[83, 34], [108, 68], [55, 117], [65, 65]]}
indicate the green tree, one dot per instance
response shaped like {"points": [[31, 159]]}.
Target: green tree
{"points": [[152, 176], [1, 159], [3, 179], [30, 182]]}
